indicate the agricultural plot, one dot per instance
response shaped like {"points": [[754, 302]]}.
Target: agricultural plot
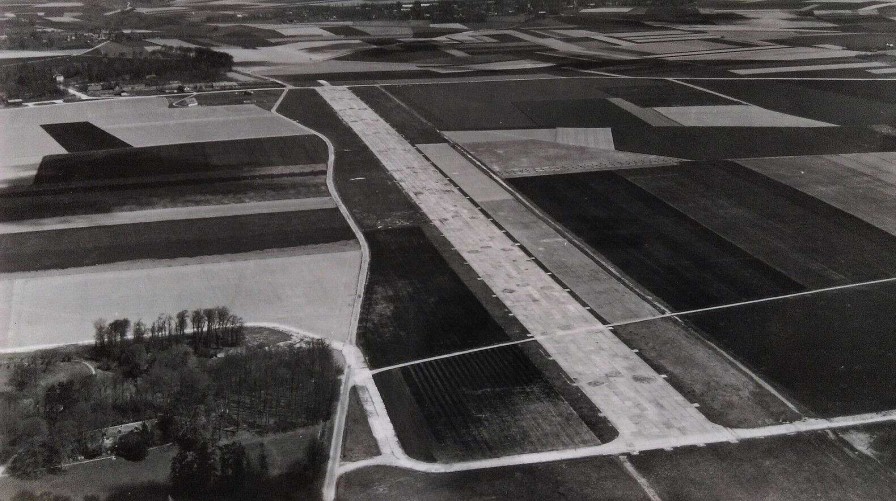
{"points": [[812, 243], [415, 306], [718, 143], [43, 202], [370, 193], [521, 158], [401, 118], [138, 122], [863, 185], [848, 103], [493, 105], [484, 404], [282, 287], [592, 478], [89, 246], [180, 159], [672, 256], [726, 394], [831, 351], [800, 468], [83, 136]]}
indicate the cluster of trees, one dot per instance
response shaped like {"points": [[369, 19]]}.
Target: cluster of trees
{"points": [[306, 385], [45, 421], [205, 329], [203, 470], [28, 81], [169, 63]]}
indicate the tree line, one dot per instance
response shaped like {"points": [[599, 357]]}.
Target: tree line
{"points": [[203, 328]]}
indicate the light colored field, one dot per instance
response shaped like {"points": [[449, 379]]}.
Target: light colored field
{"points": [[735, 115], [204, 129], [20, 54], [168, 214], [139, 122], [295, 53], [21, 149], [773, 54], [647, 115], [309, 288], [533, 158], [862, 184], [591, 137], [522, 64], [808, 67], [336, 66], [288, 29], [669, 47], [636, 400], [171, 42], [67, 17]]}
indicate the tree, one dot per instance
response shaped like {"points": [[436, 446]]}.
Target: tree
{"points": [[139, 331], [194, 470], [120, 327], [134, 445], [99, 333], [197, 319], [134, 361], [33, 460], [181, 322]]}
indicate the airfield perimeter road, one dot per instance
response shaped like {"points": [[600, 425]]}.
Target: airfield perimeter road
{"points": [[639, 403]]}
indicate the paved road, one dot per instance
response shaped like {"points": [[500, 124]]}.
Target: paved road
{"points": [[638, 402]]}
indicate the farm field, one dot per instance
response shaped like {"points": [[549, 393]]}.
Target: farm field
{"points": [[485, 404], [83, 136], [830, 351], [800, 468], [271, 286], [46, 202], [504, 105], [726, 394], [843, 103], [672, 256], [863, 185], [417, 307], [89, 246], [592, 478], [179, 159], [809, 241]]}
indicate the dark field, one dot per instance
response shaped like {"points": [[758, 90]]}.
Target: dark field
{"points": [[848, 103], [577, 113], [599, 478], [542, 103], [726, 394], [43, 250], [370, 193], [672, 256], [484, 404], [813, 243], [415, 305], [799, 468], [716, 143], [402, 119], [832, 351], [83, 136], [180, 159], [40, 203]]}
